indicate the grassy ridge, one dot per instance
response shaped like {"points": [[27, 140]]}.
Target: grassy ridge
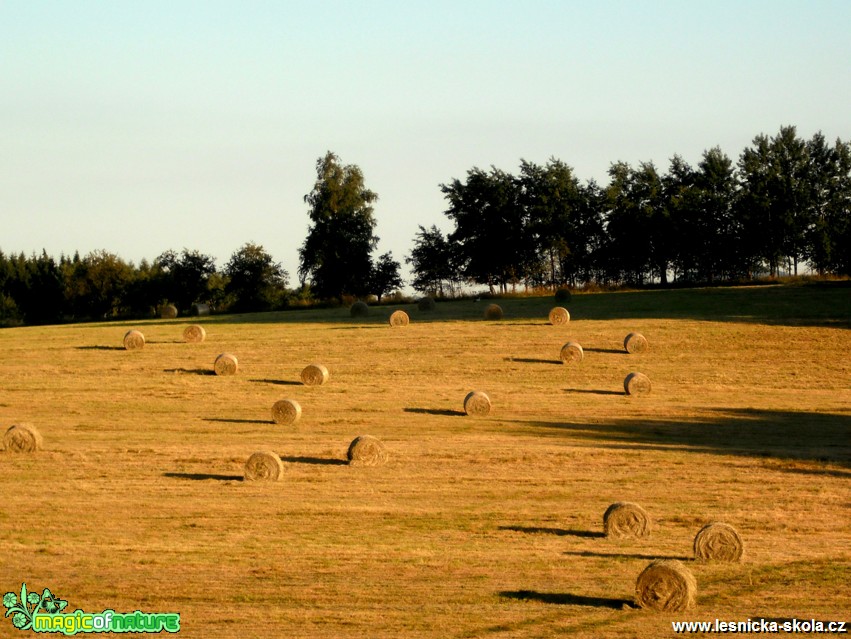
{"points": [[476, 527]]}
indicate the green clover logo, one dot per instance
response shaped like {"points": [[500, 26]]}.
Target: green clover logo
{"points": [[10, 599]]}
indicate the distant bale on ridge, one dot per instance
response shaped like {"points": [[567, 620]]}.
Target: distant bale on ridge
{"points": [[399, 318], [359, 309], [559, 316], [194, 334], [426, 304], [169, 311], [198, 309], [134, 340], [493, 312], [562, 295]]}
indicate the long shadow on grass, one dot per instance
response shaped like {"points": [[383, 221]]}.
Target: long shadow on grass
{"points": [[561, 532], [238, 421], [277, 382], [566, 599], [614, 351], [190, 371], [593, 391], [203, 476], [825, 437], [626, 555], [100, 348], [530, 360], [316, 461], [436, 411]]}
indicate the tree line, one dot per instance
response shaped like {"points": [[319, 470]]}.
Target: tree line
{"points": [[786, 202]]}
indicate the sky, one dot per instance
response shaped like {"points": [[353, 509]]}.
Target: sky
{"points": [[139, 127]]}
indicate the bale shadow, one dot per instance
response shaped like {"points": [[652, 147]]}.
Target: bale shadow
{"points": [[166, 341], [437, 411], [277, 382], [238, 421], [587, 391], [614, 351], [561, 532], [788, 435], [357, 328], [316, 461], [190, 371], [623, 555], [203, 476], [530, 360], [567, 599], [100, 348]]}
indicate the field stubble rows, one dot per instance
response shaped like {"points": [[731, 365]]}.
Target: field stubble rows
{"points": [[476, 526]]}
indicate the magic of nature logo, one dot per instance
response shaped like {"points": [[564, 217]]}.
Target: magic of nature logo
{"points": [[45, 612]]}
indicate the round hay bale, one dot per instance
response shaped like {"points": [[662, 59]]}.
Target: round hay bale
{"points": [[169, 311], [426, 304], [493, 312], [562, 295], [194, 334], [626, 519], [134, 340], [718, 542], [264, 466], [666, 585], [477, 404], [226, 364], [559, 316], [635, 343], [366, 450], [636, 384], [286, 411], [314, 375], [359, 309], [198, 309], [399, 318], [22, 438], [571, 353]]}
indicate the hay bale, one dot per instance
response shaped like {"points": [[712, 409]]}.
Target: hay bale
{"points": [[426, 304], [477, 404], [194, 334], [562, 295], [198, 309], [636, 384], [314, 375], [359, 309], [493, 312], [666, 585], [635, 343], [226, 364], [571, 353], [399, 318], [169, 311], [718, 542], [22, 438], [626, 519], [559, 316], [264, 466], [134, 340], [366, 450], [286, 412]]}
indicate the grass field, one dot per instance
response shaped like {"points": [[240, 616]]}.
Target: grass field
{"points": [[476, 527]]}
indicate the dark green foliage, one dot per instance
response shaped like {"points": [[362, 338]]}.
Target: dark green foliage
{"points": [[385, 277], [335, 256], [255, 281]]}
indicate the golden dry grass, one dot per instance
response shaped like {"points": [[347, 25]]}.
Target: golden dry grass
{"points": [[474, 528]]}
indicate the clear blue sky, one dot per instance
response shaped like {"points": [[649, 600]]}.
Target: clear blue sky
{"points": [[138, 127]]}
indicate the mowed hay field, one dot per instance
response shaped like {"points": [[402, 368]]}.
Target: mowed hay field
{"points": [[476, 526]]}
